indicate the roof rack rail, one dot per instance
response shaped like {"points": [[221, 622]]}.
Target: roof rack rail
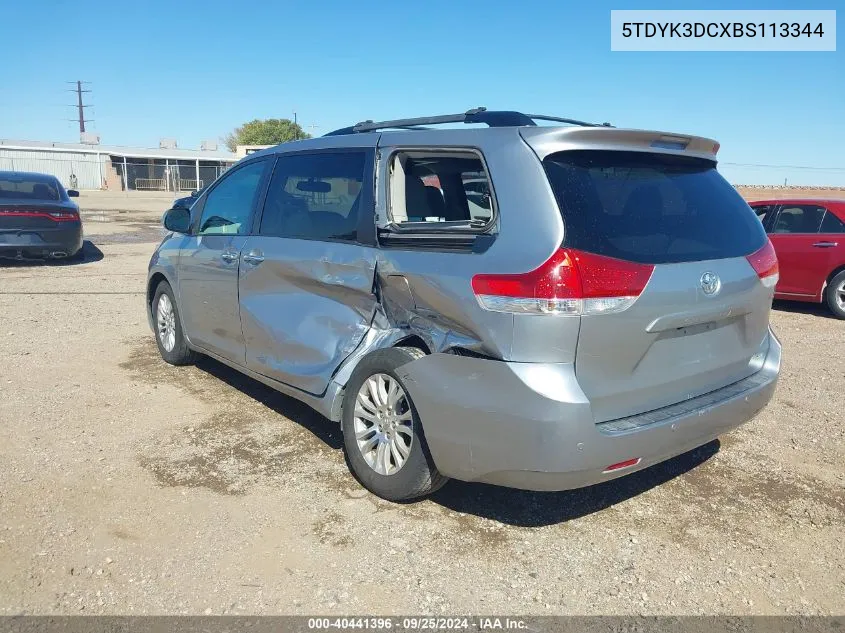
{"points": [[492, 118], [546, 117]]}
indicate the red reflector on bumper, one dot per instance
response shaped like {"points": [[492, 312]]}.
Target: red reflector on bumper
{"points": [[628, 462]]}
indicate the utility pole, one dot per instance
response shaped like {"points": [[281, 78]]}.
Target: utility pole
{"points": [[295, 129], [80, 108]]}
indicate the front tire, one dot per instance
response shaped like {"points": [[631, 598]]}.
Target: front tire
{"points": [[834, 294], [383, 437], [168, 328]]}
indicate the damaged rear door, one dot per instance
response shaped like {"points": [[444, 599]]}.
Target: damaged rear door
{"points": [[307, 274]]}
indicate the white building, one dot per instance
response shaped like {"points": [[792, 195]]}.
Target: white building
{"points": [[114, 167], [246, 150]]}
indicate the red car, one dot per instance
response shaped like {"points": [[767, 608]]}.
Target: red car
{"points": [[809, 238]]}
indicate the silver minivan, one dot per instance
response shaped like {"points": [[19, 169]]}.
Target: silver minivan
{"points": [[529, 301]]}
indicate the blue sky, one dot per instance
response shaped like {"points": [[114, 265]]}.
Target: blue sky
{"points": [[194, 70]]}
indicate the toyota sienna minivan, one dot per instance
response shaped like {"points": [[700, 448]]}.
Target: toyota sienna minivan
{"points": [[529, 301]]}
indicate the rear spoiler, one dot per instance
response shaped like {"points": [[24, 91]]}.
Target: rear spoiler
{"points": [[548, 140]]}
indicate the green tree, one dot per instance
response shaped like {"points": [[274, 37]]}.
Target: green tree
{"points": [[265, 132]]}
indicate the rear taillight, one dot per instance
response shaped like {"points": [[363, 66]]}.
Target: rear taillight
{"points": [[63, 216], [570, 282], [765, 264]]}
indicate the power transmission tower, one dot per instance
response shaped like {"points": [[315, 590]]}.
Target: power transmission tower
{"points": [[79, 105]]}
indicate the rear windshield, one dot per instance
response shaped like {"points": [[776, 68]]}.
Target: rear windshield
{"points": [[650, 208], [28, 189]]}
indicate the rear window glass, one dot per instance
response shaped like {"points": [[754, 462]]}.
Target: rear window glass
{"points": [[28, 189], [650, 208]]}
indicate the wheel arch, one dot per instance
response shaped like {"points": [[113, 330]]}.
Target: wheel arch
{"points": [[828, 279], [155, 279], [825, 294], [383, 340], [153, 283], [833, 274], [413, 341]]}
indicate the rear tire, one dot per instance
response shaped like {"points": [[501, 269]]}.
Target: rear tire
{"points": [[170, 339], [834, 295], [407, 469]]}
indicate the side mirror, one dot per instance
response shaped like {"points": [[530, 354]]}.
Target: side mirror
{"points": [[183, 203], [178, 220], [72, 193]]}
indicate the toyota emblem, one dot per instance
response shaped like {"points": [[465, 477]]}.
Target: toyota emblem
{"points": [[710, 283]]}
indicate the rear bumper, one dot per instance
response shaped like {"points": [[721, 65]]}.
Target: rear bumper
{"points": [[530, 426], [66, 238]]}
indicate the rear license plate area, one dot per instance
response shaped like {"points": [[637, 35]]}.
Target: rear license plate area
{"points": [[17, 238]]}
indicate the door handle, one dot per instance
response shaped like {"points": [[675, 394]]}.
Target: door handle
{"points": [[825, 244], [229, 256], [253, 258]]}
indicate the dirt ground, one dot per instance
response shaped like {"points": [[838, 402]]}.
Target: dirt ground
{"points": [[130, 486]]}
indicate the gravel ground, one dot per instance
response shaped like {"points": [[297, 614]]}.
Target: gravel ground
{"points": [[130, 486]]}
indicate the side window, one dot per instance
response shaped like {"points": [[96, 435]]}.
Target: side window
{"points": [[763, 212], [832, 224], [315, 196], [803, 218], [228, 206], [439, 187]]}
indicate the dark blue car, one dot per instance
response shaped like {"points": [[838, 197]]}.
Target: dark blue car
{"points": [[38, 219]]}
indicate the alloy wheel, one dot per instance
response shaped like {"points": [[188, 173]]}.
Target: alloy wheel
{"points": [[383, 424], [166, 323]]}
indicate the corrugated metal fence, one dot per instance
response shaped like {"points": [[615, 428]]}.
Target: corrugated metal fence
{"points": [[89, 169]]}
